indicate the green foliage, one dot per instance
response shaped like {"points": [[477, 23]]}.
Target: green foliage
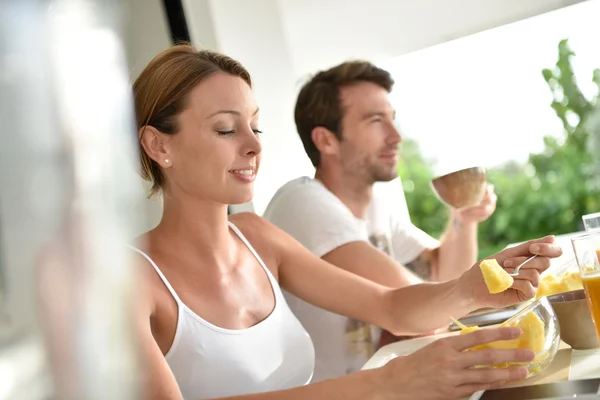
{"points": [[426, 211], [547, 195]]}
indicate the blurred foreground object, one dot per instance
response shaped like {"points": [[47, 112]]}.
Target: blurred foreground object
{"points": [[68, 203]]}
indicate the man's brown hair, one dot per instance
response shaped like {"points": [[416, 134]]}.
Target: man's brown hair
{"points": [[319, 102]]}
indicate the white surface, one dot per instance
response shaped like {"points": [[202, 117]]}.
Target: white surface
{"points": [[403, 348], [378, 29], [146, 33], [585, 364]]}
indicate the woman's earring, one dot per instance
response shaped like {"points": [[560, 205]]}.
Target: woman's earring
{"points": [[166, 161]]}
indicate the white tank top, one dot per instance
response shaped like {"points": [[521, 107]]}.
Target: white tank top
{"points": [[209, 361]]}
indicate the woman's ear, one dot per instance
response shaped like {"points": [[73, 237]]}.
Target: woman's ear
{"points": [[154, 143]]}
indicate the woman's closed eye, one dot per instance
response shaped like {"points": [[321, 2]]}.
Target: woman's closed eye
{"points": [[232, 131]]}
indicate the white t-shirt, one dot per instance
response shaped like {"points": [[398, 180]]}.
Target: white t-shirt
{"points": [[319, 220]]}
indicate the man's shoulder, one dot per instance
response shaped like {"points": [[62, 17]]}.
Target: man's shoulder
{"points": [[305, 207], [303, 184], [314, 216], [299, 194]]}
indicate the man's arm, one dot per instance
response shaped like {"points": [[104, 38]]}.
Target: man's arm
{"points": [[457, 251], [363, 259], [458, 246]]}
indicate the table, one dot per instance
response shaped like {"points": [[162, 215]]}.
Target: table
{"points": [[568, 364]]}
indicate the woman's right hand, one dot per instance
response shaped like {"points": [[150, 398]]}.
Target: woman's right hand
{"points": [[443, 369]]}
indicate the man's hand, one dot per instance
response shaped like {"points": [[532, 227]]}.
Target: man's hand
{"points": [[444, 370], [525, 285], [482, 211]]}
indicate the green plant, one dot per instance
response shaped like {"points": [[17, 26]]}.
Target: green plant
{"points": [[546, 195]]}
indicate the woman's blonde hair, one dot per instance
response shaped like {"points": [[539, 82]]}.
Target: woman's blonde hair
{"points": [[161, 92]]}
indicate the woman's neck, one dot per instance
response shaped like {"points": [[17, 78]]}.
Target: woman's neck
{"points": [[198, 231]]}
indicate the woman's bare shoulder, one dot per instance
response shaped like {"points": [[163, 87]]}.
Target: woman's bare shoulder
{"points": [[248, 220], [262, 235], [149, 286]]}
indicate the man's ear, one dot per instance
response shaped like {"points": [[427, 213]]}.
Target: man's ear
{"points": [[325, 140], [153, 141]]}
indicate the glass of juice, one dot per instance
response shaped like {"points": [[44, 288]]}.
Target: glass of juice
{"points": [[591, 222], [587, 253]]}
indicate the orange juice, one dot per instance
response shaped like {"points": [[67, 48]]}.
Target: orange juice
{"points": [[591, 284]]}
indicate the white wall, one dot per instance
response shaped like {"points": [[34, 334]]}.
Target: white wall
{"points": [[325, 32], [146, 34]]}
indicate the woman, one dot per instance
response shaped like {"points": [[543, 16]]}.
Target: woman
{"points": [[214, 322]]}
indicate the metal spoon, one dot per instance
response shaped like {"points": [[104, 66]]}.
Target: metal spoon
{"points": [[516, 270]]}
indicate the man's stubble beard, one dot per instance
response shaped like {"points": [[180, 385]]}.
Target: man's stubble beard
{"points": [[369, 170], [384, 174], [372, 173]]}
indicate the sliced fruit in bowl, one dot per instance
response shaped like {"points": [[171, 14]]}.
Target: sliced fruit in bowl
{"points": [[563, 279], [541, 334]]}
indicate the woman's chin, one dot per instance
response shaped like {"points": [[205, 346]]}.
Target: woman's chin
{"points": [[241, 199]]}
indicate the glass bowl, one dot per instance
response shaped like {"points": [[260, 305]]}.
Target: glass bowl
{"points": [[546, 347]]}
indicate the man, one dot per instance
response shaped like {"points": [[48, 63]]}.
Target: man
{"points": [[347, 126]]}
